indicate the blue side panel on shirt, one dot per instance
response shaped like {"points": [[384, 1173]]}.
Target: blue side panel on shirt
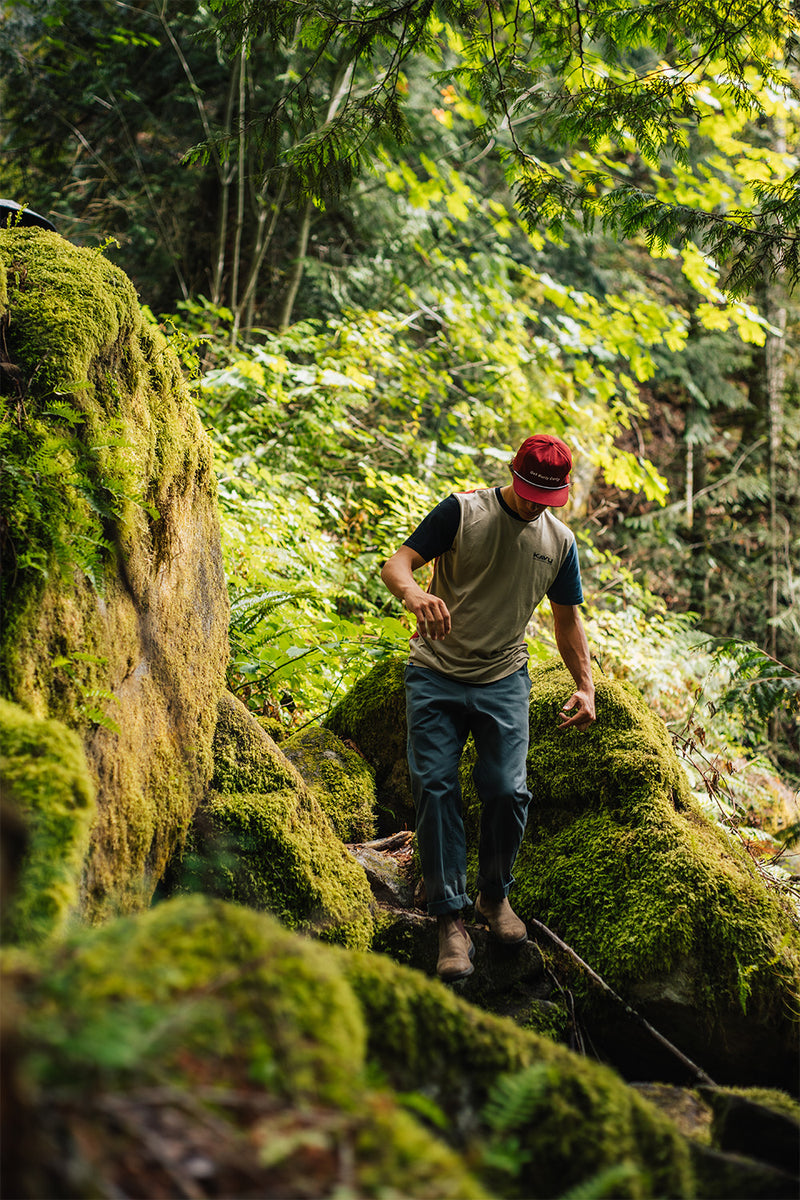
{"points": [[566, 587]]}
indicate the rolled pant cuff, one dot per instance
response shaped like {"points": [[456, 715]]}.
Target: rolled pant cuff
{"points": [[493, 891], [452, 905]]}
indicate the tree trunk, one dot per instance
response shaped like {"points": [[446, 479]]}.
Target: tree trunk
{"points": [[241, 186], [338, 92]]}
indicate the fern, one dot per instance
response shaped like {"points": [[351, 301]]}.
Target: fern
{"points": [[613, 1181], [511, 1108], [759, 683], [514, 1099], [60, 492], [75, 668]]}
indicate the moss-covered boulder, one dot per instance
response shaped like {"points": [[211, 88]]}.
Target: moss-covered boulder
{"points": [[45, 780], [619, 859], [621, 862], [220, 1018], [115, 609], [339, 778], [261, 1026], [373, 716], [261, 838]]}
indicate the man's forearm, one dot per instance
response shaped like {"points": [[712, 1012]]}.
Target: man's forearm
{"points": [[573, 646], [398, 577], [433, 618]]}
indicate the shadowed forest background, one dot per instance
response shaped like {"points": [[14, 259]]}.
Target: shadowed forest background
{"points": [[387, 242]]}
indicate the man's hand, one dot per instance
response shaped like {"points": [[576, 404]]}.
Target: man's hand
{"points": [[581, 705], [433, 615]]}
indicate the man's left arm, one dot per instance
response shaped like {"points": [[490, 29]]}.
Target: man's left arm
{"points": [[573, 646]]}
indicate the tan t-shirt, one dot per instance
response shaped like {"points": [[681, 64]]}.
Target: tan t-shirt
{"points": [[491, 579]]}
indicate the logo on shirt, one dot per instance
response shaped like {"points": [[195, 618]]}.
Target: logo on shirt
{"points": [[542, 557]]}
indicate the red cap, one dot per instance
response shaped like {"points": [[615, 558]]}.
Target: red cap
{"points": [[541, 470]]}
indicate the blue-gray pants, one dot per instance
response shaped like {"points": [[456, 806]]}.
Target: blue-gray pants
{"points": [[441, 712]]}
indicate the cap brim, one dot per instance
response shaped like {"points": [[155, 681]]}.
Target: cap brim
{"points": [[553, 497]]}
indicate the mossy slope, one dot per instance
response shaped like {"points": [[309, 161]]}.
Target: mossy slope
{"points": [[116, 622], [261, 839], [43, 774], [339, 778], [251, 1006], [584, 1120]]}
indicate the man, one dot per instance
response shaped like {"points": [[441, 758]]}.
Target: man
{"points": [[497, 552]]}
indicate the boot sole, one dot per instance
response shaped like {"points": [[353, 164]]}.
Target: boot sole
{"points": [[453, 978]]}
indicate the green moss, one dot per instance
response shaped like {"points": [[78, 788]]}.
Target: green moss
{"points": [[373, 716], [193, 987], [772, 1098], [43, 773], [426, 1039], [548, 1018], [245, 757], [261, 839], [340, 779], [115, 612], [275, 728], [197, 990], [198, 996], [396, 1157], [620, 860]]}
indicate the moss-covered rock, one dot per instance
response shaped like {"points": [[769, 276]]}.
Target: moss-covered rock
{"points": [[43, 774], [341, 781], [235, 987], [221, 1009], [115, 619], [373, 716], [621, 862], [260, 838], [197, 992], [567, 1121]]}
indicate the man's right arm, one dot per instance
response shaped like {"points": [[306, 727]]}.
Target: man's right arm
{"points": [[433, 616]]}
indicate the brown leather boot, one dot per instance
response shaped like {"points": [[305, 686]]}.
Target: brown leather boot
{"points": [[455, 949], [503, 922]]}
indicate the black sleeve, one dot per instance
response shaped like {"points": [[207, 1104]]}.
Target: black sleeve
{"points": [[435, 533]]}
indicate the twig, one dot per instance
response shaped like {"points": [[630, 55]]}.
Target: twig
{"points": [[395, 841], [697, 1072]]}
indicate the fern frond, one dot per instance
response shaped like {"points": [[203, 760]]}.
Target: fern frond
{"points": [[605, 1184], [514, 1099]]}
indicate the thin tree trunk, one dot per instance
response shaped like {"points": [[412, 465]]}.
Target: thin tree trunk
{"points": [[263, 239], [698, 535], [775, 385], [340, 88], [774, 364], [297, 268], [224, 176], [226, 179], [241, 185]]}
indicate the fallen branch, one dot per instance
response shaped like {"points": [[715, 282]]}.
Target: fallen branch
{"points": [[396, 841], [697, 1072]]}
